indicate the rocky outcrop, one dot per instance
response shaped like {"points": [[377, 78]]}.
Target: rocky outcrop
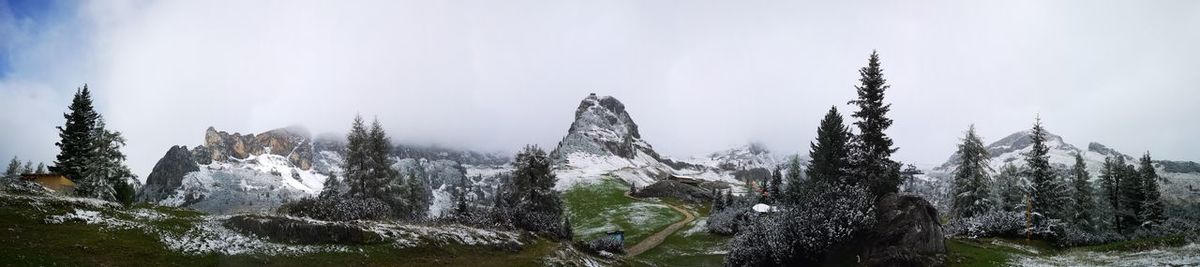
{"points": [[906, 233], [168, 174], [603, 127], [294, 143]]}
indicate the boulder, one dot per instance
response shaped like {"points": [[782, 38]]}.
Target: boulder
{"points": [[906, 233], [167, 174]]}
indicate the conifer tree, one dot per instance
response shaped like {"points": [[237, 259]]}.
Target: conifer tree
{"points": [[872, 149], [41, 168], [332, 187], [718, 203], [107, 177], [1130, 198], [539, 205], [14, 168], [380, 151], [356, 166], [971, 189], [775, 184], [419, 193], [795, 182], [1083, 214], [1152, 206], [1010, 188], [76, 144], [1044, 189], [1110, 181], [830, 154], [28, 167], [461, 209]]}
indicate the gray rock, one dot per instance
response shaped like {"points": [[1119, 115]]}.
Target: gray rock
{"points": [[906, 233], [602, 127], [167, 174]]}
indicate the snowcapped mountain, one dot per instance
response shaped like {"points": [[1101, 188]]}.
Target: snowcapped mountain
{"points": [[604, 141], [235, 173], [1012, 149]]}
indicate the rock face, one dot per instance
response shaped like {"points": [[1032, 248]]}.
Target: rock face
{"points": [[168, 174], [602, 127], [293, 143], [907, 233]]}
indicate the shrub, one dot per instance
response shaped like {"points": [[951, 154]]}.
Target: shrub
{"points": [[602, 244], [337, 209]]}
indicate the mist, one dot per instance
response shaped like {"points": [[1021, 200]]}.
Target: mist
{"points": [[697, 76]]}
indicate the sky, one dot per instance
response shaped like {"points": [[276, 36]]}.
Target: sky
{"points": [[697, 76]]}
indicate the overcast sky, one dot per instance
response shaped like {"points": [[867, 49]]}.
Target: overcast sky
{"points": [[697, 76]]}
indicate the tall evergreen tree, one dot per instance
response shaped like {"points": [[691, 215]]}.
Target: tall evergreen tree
{"points": [[419, 193], [539, 205], [14, 168], [1152, 206], [830, 154], [1130, 198], [332, 187], [795, 181], [872, 148], [356, 166], [775, 184], [1044, 189], [972, 188], [41, 168], [1082, 214], [1010, 188], [107, 177], [461, 208], [380, 147], [28, 167], [76, 145], [1110, 181]]}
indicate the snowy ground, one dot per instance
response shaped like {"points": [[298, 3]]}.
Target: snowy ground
{"points": [[1188, 255]]}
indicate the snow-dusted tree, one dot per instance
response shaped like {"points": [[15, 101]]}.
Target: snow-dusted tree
{"points": [[1152, 205], [107, 177], [357, 167], [334, 188], [971, 191], [41, 168], [539, 206], [14, 168], [1010, 188], [461, 188], [1083, 208], [871, 150], [379, 148], [774, 186], [1045, 191], [795, 181], [76, 145], [830, 154], [1110, 181], [1130, 198], [419, 193], [718, 203], [28, 167]]}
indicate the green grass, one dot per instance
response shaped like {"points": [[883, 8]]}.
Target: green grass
{"points": [[26, 240], [602, 206], [683, 249]]}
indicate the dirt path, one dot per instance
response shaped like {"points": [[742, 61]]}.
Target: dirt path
{"points": [[657, 238]]}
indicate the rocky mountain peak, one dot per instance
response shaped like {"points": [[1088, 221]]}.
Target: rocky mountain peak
{"points": [[603, 127], [294, 143]]}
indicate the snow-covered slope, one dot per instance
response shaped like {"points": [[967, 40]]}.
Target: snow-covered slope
{"points": [[604, 141]]}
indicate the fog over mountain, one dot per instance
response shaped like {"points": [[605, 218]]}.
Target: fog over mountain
{"points": [[697, 78]]}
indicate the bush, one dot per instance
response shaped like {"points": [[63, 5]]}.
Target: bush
{"points": [[727, 220], [602, 244], [830, 216], [989, 224], [338, 209]]}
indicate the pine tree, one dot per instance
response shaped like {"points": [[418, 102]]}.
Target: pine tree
{"points": [[718, 203], [971, 189], [333, 188], [76, 145], [1083, 214], [795, 182], [1130, 198], [28, 167], [1152, 206], [830, 154], [419, 192], [14, 168], [41, 168], [775, 184], [381, 172], [461, 209], [1110, 181], [872, 149], [107, 177], [1010, 188], [356, 166], [539, 205], [1044, 189]]}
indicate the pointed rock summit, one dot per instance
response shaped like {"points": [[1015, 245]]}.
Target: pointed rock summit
{"points": [[602, 127]]}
